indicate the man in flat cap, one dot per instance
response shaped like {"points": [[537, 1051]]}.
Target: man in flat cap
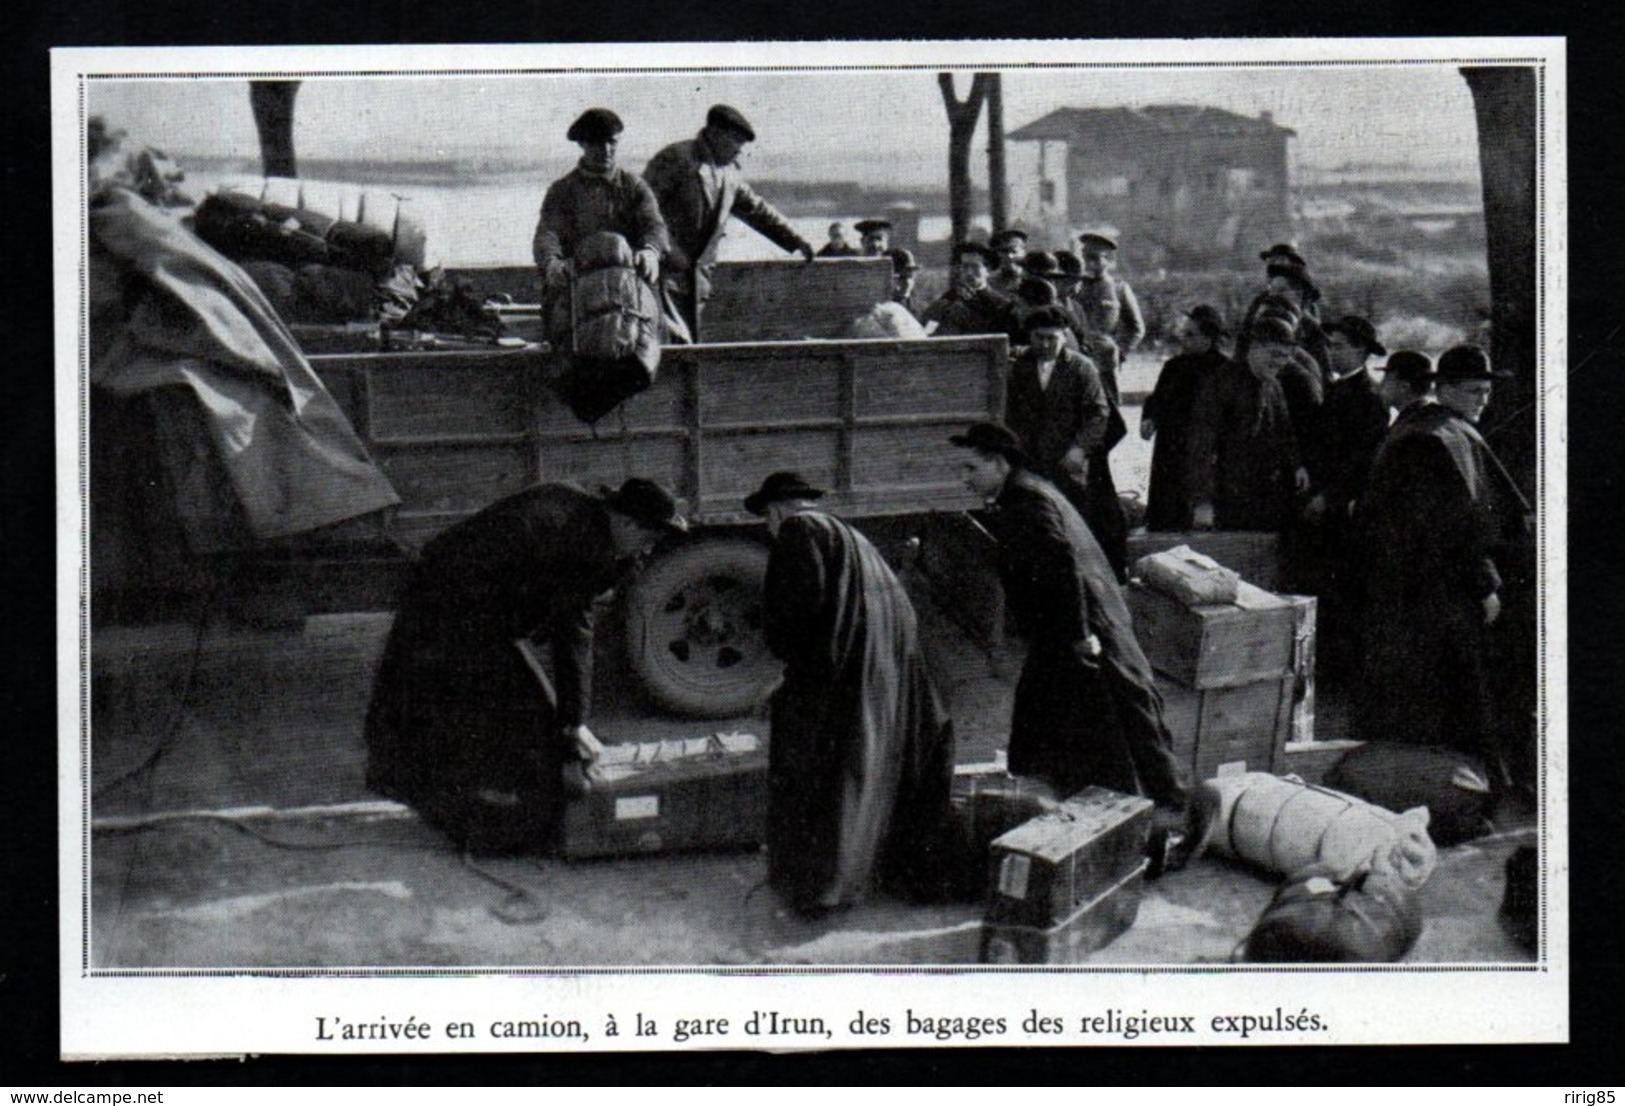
{"points": [[969, 306], [1443, 534], [861, 757], [874, 237], [461, 725], [1244, 471], [1169, 409], [1010, 248], [597, 196], [1055, 403], [1087, 710], [1350, 427], [699, 185], [1111, 312]]}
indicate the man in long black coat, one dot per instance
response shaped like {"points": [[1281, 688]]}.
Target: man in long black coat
{"points": [[1058, 406], [861, 756], [1443, 530], [1166, 416], [460, 726], [1087, 710]]}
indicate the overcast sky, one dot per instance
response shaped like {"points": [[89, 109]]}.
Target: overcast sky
{"points": [[872, 126]]}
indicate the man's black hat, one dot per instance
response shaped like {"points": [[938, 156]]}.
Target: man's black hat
{"points": [[1036, 292], [872, 224], [1467, 363], [1360, 332], [647, 504], [1093, 242], [993, 437], [726, 118], [779, 487], [595, 125], [1272, 328], [1044, 318], [1409, 366], [1283, 251], [1041, 264], [1070, 264], [1208, 319], [902, 261], [981, 251], [1004, 236]]}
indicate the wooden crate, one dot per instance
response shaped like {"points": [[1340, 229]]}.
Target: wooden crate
{"points": [[1048, 867], [1217, 731], [1255, 556], [1091, 927], [1220, 645]]}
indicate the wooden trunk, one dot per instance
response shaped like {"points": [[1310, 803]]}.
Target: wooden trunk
{"points": [[1218, 731], [1045, 869], [1223, 645], [1093, 926]]}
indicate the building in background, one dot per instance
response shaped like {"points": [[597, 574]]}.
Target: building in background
{"points": [[1182, 184]]}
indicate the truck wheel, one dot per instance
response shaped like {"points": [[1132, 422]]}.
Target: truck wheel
{"points": [[694, 621]]}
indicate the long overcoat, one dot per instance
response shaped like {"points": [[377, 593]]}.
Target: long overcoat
{"points": [[1171, 405]]}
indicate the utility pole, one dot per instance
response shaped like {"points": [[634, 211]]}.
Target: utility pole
{"points": [[962, 117], [272, 102], [997, 186]]}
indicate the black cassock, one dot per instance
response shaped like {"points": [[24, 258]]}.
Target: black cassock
{"points": [[455, 707], [1171, 405], [861, 756], [1076, 722], [1441, 527]]}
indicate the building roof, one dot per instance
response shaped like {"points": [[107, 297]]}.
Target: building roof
{"points": [[1073, 124]]}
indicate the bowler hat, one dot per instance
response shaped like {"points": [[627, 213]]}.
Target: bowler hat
{"points": [[726, 118], [1040, 264], [1095, 242], [1047, 317], [594, 125], [1283, 251], [963, 249], [902, 260], [1035, 292], [779, 487], [645, 503], [1004, 236], [1069, 263], [1272, 328], [1208, 320], [868, 225], [992, 437], [1409, 366], [1467, 363], [1359, 331]]}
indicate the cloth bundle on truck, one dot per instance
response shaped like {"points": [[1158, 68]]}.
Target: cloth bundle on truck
{"points": [[1235, 677], [1069, 882], [610, 324]]}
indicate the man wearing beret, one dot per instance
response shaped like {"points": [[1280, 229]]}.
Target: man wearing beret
{"points": [[699, 185], [1444, 533], [1350, 428], [861, 757], [597, 196], [1244, 470], [460, 725], [1169, 410], [969, 306], [1087, 710]]}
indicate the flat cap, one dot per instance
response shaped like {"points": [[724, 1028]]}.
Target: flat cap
{"points": [[1467, 363], [647, 504], [1409, 366], [1095, 242], [727, 118], [779, 487], [1359, 331], [594, 125], [868, 225], [993, 437]]}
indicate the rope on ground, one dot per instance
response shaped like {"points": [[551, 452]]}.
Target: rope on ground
{"points": [[521, 907]]}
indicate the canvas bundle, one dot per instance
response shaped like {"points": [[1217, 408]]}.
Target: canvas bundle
{"points": [[613, 329]]}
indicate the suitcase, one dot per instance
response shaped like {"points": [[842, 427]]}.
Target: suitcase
{"points": [[1093, 926], [1043, 870], [1230, 729], [671, 796], [1218, 645]]}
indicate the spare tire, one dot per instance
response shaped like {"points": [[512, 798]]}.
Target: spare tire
{"points": [[694, 627]]}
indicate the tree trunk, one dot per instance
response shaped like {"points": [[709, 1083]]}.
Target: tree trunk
{"points": [[272, 102], [1505, 104], [962, 116], [997, 188]]}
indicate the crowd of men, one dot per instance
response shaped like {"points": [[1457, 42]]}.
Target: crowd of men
{"points": [[1404, 524]]}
